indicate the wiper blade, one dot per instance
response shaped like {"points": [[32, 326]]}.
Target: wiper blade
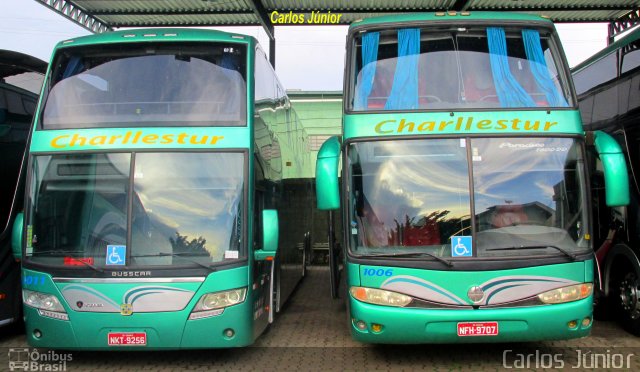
{"points": [[573, 256], [176, 255], [75, 259], [413, 254]]}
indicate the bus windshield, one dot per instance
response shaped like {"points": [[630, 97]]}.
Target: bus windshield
{"points": [[412, 196], [148, 209], [470, 67], [147, 84]]}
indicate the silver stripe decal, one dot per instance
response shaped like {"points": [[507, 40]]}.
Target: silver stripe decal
{"points": [[129, 280]]}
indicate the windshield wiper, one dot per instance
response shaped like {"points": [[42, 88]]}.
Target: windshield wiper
{"points": [[75, 259], [179, 255], [413, 254], [573, 256]]}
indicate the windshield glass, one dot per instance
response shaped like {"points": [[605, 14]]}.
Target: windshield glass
{"points": [[462, 67], [408, 195], [413, 196], [161, 84], [529, 194], [185, 209]]}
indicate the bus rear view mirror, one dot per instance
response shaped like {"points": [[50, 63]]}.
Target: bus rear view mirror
{"points": [[616, 178], [270, 233], [327, 191], [16, 236]]}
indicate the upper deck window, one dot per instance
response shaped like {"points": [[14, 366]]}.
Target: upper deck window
{"points": [[456, 68], [163, 84]]}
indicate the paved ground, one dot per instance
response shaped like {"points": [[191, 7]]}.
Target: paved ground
{"points": [[311, 334]]}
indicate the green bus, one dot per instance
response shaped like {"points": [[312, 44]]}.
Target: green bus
{"points": [[161, 203], [608, 103], [463, 189]]}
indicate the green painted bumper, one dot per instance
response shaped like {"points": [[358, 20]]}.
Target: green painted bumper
{"points": [[414, 326], [165, 330]]}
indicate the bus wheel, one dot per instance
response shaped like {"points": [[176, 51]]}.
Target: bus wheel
{"points": [[625, 291]]}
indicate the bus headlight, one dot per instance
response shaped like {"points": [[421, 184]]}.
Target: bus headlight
{"points": [[47, 304], [43, 301], [567, 294], [380, 296], [212, 304]]}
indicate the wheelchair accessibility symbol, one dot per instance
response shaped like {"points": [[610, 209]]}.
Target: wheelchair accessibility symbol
{"points": [[461, 246], [116, 254]]}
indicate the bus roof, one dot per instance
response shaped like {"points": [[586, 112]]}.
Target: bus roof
{"points": [[156, 34], [629, 38], [453, 16]]}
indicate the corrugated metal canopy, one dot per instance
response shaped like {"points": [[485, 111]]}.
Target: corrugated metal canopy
{"points": [[104, 15], [101, 15]]}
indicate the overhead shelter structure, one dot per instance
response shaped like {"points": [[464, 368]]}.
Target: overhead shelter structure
{"points": [[104, 15]]}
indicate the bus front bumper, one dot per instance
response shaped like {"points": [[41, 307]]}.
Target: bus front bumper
{"points": [[162, 330], [385, 324]]}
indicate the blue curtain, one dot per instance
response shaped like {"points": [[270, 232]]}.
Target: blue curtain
{"points": [[533, 49], [404, 91], [74, 67], [510, 92], [370, 42]]}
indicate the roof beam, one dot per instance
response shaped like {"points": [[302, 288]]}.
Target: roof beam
{"points": [[260, 12], [538, 8], [460, 5], [71, 11], [170, 12], [623, 24]]}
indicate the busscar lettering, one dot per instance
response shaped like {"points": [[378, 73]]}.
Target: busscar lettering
{"points": [[130, 274], [132, 138], [405, 126]]}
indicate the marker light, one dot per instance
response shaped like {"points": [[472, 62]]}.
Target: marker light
{"points": [[379, 296], [212, 304], [567, 294]]}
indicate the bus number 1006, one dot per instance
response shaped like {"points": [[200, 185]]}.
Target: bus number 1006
{"points": [[378, 272]]}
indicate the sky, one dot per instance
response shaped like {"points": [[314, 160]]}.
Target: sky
{"points": [[307, 57]]}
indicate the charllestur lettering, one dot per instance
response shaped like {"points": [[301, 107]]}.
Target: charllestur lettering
{"points": [[462, 124], [133, 138]]}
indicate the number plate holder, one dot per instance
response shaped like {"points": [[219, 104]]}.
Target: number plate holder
{"points": [[477, 329], [127, 339]]}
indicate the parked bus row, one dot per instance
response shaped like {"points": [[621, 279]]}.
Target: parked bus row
{"points": [[164, 199]]}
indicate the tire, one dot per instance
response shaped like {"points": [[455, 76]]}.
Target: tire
{"points": [[624, 292]]}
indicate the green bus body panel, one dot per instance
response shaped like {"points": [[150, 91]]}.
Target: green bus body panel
{"points": [[157, 35], [394, 20], [328, 195], [140, 138], [463, 123], [164, 329], [616, 177], [16, 236], [271, 233], [421, 325], [459, 282]]}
